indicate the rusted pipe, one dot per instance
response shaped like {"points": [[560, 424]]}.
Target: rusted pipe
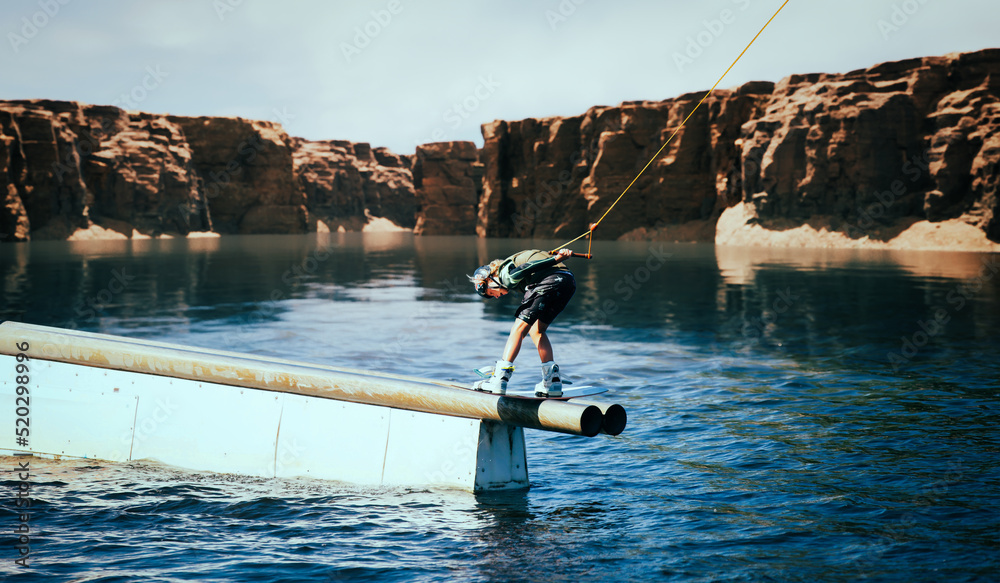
{"points": [[228, 368]]}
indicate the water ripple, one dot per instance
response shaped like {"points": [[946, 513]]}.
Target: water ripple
{"points": [[761, 446]]}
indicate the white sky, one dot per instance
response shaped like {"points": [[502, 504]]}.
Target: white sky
{"points": [[303, 63]]}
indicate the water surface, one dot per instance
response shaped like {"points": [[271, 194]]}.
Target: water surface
{"points": [[794, 415]]}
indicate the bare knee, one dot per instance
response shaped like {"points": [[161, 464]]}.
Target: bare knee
{"points": [[520, 329]]}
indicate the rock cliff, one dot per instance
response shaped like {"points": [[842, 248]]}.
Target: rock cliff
{"points": [[878, 147], [244, 169], [449, 180], [66, 166], [69, 170], [346, 184], [555, 176], [903, 151], [864, 154]]}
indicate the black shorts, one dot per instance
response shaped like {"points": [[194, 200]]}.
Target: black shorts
{"points": [[547, 298]]}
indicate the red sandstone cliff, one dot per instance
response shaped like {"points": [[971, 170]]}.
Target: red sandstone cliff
{"points": [[448, 178], [347, 184], [555, 176], [914, 139], [865, 156], [245, 173], [66, 167]]}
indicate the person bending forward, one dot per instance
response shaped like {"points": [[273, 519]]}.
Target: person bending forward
{"points": [[547, 285]]}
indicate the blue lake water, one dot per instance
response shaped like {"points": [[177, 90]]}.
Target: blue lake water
{"points": [[796, 415]]}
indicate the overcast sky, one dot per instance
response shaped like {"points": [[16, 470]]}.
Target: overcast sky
{"points": [[401, 72]]}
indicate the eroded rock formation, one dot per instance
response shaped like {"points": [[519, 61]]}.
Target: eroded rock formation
{"points": [[448, 178], [245, 169], [864, 155], [914, 139], [555, 176], [66, 166], [347, 184]]}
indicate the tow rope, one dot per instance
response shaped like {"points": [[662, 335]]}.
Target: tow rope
{"points": [[589, 233]]}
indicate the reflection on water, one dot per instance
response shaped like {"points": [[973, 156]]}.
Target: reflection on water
{"points": [[793, 415], [739, 264], [732, 298]]}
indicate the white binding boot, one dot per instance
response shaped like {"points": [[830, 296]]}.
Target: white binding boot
{"points": [[551, 385], [497, 383]]}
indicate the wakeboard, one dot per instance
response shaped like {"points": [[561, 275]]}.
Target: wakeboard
{"points": [[567, 393]]}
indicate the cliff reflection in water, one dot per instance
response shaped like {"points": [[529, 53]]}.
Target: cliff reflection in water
{"points": [[875, 303], [732, 300]]}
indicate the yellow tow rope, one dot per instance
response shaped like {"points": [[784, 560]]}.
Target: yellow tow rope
{"points": [[589, 233]]}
